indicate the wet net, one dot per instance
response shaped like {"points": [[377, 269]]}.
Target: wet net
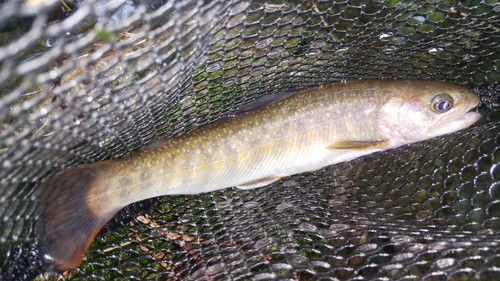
{"points": [[83, 81]]}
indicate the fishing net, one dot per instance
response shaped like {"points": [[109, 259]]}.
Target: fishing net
{"points": [[83, 81]]}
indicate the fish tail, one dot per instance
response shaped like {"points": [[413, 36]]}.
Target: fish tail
{"points": [[68, 223]]}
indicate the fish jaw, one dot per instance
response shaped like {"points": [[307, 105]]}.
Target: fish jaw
{"points": [[461, 123]]}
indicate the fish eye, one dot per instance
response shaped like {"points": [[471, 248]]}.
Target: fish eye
{"points": [[442, 102]]}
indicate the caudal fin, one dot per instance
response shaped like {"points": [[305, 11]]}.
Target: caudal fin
{"points": [[68, 224]]}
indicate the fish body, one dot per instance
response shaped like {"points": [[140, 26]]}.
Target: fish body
{"points": [[309, 130]]}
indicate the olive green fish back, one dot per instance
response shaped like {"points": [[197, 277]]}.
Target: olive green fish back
{"points": [[83, 81]]}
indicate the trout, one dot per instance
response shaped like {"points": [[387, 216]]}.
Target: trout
{"points": [[303, 132]]}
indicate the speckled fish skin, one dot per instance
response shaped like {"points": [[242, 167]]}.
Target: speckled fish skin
{"points": [[307, 131]]}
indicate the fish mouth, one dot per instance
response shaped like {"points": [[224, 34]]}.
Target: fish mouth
{"points": [[466, 120], [462, 122]]}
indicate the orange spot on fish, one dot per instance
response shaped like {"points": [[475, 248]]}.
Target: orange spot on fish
{"points": [[267, 147], [256, 149], [231, 159], [205, 166], [244, 155], [219, 163], [313, 136]]}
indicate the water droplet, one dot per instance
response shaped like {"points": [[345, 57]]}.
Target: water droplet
{"points": [[214, 269], [390, 49], [335, 202], [416, 247], [368, 247], [285, 61], [402, 239], [312, 53], [359, 218], [339, 227], [420, 19], [438, 246], [250, 205], [435, 50], [53, 74], [462, 244], [308, 227], [402, 257], [390, 267], [158, 232], [264, 276], [283, 206], [275, 52], [385, 35], [317, 44], [6, 163], [327, 233], [239, 7], [281, 267], [444, 263], [271, 7], [264, 43], [257, 70], [341, 50], [48, 42], [229, 81], [213, 66], [424, 214], [320, 264], [186, 102], [106, 139], [297, 260], [486, 232], [264, 242], [222, 205], [289, 183]]}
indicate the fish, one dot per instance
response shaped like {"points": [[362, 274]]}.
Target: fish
{"points": [[304, 131]]}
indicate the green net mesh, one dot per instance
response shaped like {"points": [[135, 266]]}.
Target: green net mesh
{"points": [[83, 81]]}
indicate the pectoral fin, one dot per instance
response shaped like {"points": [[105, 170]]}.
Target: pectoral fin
{"points": [[258, 183], [359, 145]]}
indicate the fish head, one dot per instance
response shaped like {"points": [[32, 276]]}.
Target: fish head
{"points": [[420, 110]]}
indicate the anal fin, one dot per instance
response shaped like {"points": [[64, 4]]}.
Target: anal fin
{"points": [[258, 183], [359, 145]]}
